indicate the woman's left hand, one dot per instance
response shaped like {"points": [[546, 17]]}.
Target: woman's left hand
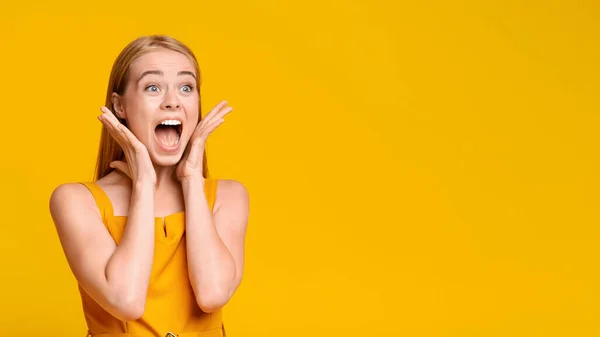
{"points": [[190, 165]]}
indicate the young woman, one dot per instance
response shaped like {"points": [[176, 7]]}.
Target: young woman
{"points": [[156, 246]]}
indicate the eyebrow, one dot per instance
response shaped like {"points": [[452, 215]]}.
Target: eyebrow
{"points": [[158, 72], [186, 72]]}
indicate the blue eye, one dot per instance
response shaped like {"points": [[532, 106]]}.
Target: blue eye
{"points": [[152, 88], [186, 88]]}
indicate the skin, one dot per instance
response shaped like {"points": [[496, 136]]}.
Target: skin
{"points": [[153, 183]]}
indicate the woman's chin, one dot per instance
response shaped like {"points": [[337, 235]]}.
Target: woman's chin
{"points": [[165, 160]]}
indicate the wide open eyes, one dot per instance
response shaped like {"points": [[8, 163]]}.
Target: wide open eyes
{"points": [[186, 88]]}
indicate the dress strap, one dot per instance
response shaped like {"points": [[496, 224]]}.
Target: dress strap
{"points": [[102, 200], [105, 206]]}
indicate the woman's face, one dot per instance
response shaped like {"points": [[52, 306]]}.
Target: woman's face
{"points": [[160, 103]]}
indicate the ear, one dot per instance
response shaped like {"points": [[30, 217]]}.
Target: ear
{"points": [[119, 106]]}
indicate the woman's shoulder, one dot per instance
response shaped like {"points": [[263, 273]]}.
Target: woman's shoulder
{"points": [[231, 193], [79, 194], [70, 196], [71, 192], [230, 187]]}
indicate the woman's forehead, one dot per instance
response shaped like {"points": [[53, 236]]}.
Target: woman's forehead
{"points": [[164, 61]]}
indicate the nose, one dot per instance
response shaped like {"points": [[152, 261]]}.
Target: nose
{"points": [[170, 102]]}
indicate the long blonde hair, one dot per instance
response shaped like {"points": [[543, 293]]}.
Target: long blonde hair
{"points": [[119, 76]]}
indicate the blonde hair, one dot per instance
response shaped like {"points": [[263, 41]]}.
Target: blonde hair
{"points": [[109, 149]]}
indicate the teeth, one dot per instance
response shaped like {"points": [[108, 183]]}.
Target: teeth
{"points": [[170, 122]]}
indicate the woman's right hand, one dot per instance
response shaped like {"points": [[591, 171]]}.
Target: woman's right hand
{"points": [[138, 165]]}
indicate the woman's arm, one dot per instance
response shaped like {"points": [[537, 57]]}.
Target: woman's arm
{"points": [[215, 243], [114, 276]]}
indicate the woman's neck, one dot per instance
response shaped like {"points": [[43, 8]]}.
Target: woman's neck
{"points": [[166, 180]]}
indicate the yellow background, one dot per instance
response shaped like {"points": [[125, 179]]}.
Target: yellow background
{"points": [[425, 169]]}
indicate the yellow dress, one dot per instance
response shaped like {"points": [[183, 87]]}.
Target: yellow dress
{"points": [[171, 308]]}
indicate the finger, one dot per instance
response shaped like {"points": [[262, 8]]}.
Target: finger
{"points": [[130, 137], [223, 113], [220, 114], [124, 135], [214, 124], [215, 110], [110, 116], [111, 124], [204, 123], [202, 132], [121, 166], [125, 132], [119, 137], [112, 131], [208, 129], [193, 157]]}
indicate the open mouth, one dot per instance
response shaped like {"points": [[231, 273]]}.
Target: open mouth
{"points": [[168, 132]]}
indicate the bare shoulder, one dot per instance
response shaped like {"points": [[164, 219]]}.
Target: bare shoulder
{"points": [[233, 196], [229, 188], [70, 196]]}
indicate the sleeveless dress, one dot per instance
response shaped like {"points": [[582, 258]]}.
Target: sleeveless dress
{"points": [[171, 309]]}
